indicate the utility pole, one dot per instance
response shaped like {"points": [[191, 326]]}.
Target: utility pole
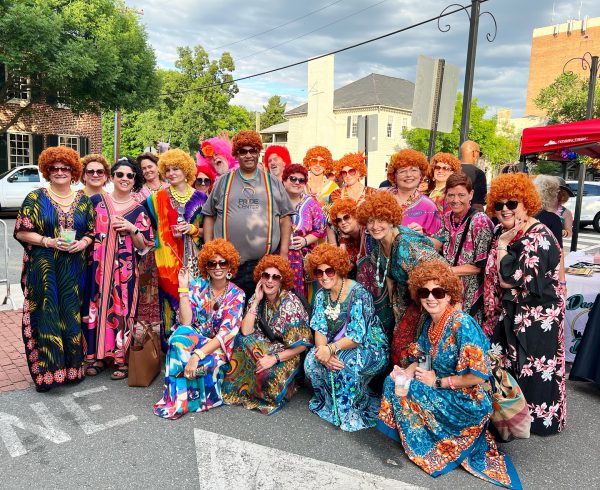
{"points": [[469, 71], [117, 136]]}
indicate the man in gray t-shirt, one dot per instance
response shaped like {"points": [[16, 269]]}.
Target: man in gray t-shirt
{"points": [[238, 209]]}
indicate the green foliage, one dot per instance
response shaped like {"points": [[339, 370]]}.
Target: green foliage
{"points": [[497, 147], [565, 100], [91, 54], [546, 167], [273, 112]]}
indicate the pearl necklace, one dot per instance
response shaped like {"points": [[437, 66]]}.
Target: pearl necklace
{"points": [[332, 310], [68, 204], [120, 202], [56, 194], [181, 198]]}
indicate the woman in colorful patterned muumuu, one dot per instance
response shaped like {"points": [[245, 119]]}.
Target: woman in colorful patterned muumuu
{"points": [[55, 225], [437, 407], [210, 312], [350, 345], [274, 333]]}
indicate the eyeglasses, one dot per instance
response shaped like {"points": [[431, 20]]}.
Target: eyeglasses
{"points": [[409, 170], [247, 151], [91, 171], [329, 272], [55, 170], [442, 168], [352, 172], [267, 277], [346, 217], [317, 161], [438, 293], [212, 264], [425, 180], [510, 205], [120, 175], [201, 181], [299, 180]]}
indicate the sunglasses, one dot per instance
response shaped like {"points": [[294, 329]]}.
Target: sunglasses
{"points": [[352, 172], [510, 205], [55, 170], [90, 171], [442, 168], [267, 277], [299, 180], [438, 293], [317, 161], [212, 264], [346, 217], [120, 175], [247, 151], [201, 181], [330, 272]]}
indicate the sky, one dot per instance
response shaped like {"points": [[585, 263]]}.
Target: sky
{"points": [[263, 35]]}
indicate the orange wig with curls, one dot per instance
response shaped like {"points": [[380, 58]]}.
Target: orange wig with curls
{"points": [[319, 151], [380, 205], [516, 187], [279, 263], [246, 138], [406, 158], [343, 206], [330, 255], [179, 159], [221, 247], [353, 160], [60, 154], [447, 158], [438, 272]]}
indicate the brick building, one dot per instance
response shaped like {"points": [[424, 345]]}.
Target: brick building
{"points": [[42, 126], [552, 47]]}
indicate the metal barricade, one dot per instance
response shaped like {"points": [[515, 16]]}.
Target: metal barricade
{"points": [[5, 253]]}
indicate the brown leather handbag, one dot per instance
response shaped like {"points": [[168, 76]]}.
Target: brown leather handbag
{"points": [[144, 355]]}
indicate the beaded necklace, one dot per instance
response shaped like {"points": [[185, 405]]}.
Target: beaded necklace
{"points": [[436, 330], [181, 199], [381, 280], [215, 302], [151, 189], [332, 310]]}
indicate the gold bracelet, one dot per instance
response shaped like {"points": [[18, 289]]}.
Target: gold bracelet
{"points": [[201, 355]]}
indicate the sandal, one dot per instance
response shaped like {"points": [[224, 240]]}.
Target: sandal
{"points": [[120, 373], [95, 369]]}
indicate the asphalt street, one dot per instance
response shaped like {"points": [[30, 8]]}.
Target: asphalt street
{"points": [[102, 434]]}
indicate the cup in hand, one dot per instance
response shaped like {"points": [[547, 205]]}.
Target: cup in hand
{"points": [[67, 234]]}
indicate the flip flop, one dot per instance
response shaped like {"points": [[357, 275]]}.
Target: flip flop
{"points": [[95, 369], [120, 373]]}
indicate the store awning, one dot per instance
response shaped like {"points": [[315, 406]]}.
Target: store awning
{"points": [[580, 136]]}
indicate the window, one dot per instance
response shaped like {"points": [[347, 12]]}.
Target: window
{"points": [[390, 126], [354, 131], [20, 149], [69, 141], [25, 175], [19, 90], [404, 123]]}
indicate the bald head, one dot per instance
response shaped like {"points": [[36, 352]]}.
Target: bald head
{"points": [[469, 152]]}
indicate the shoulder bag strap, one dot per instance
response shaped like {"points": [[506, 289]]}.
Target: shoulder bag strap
{"points": [[462, 240]]}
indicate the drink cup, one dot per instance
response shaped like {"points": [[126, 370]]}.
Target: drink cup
{"points": [[67, 234], [402, 383]]}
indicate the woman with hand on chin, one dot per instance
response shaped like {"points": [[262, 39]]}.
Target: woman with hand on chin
{"points": [[95, 174], [350, 345], [210, 312], [438, 407], [112, 292], [267, 351], [55, 226], [523, 300]]}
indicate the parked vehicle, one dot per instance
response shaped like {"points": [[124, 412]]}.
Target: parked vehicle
{"points": [[590, 205], [16, 183]]}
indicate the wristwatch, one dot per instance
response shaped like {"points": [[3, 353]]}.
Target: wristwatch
{"points": [[438, 383]]}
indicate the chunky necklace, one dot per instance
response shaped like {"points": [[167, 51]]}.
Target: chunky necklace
{"points": [[182, 198], [381, 280], [332, 310], [151, 189], [215, 299], [120, 202], [411, 199], [436, 330], [56, 194]]}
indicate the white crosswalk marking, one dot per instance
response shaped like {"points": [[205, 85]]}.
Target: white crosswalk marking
{"points": [[586, 240]]}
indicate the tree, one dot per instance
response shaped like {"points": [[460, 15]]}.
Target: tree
{"points": [[273, 112], [92, 55], [498, 147], [565, 100]]}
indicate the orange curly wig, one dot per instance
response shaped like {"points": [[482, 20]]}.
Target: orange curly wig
{"points": [[94, 157], [353, 160], [319, 151], [330, 255], [279, 263], [406, 158], [438, 272], [221, 247], [246, 138], [60, 154], [343, 206], [180, 159], [514, 186], [447, 158], [380, 205]]}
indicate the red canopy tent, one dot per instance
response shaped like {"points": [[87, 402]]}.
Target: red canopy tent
{"points": [[580, 136]]}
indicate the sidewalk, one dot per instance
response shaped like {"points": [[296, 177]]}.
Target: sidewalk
{"points": [[14, 373]]}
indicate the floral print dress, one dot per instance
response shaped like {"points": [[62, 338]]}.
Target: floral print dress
{"points": [[526, 322]]}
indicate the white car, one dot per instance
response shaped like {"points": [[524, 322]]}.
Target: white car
{"points": [[16, 183], [590, 205]]}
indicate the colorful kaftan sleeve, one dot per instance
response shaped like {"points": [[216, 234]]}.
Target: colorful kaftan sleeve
{"points": [[443, 234], [150, 205], [318, 322], [359, 313], [28, 218], [418, 348], [142, 223], [87, 208], [482, 230], [318, 226], [472, 346], [297, 331], [232, 319]]}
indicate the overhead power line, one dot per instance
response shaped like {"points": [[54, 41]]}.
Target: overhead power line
{"points": [[276, 27], [298, 63]]}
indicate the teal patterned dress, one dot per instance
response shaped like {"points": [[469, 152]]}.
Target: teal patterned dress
{"points": [[343, 398], [53, 283]]}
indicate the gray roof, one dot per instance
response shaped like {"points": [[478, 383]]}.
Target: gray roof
{"points": [[372, 90], [276, 128]]}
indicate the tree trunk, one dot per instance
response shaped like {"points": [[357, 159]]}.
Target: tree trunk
{"points": [[13, 120]]}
